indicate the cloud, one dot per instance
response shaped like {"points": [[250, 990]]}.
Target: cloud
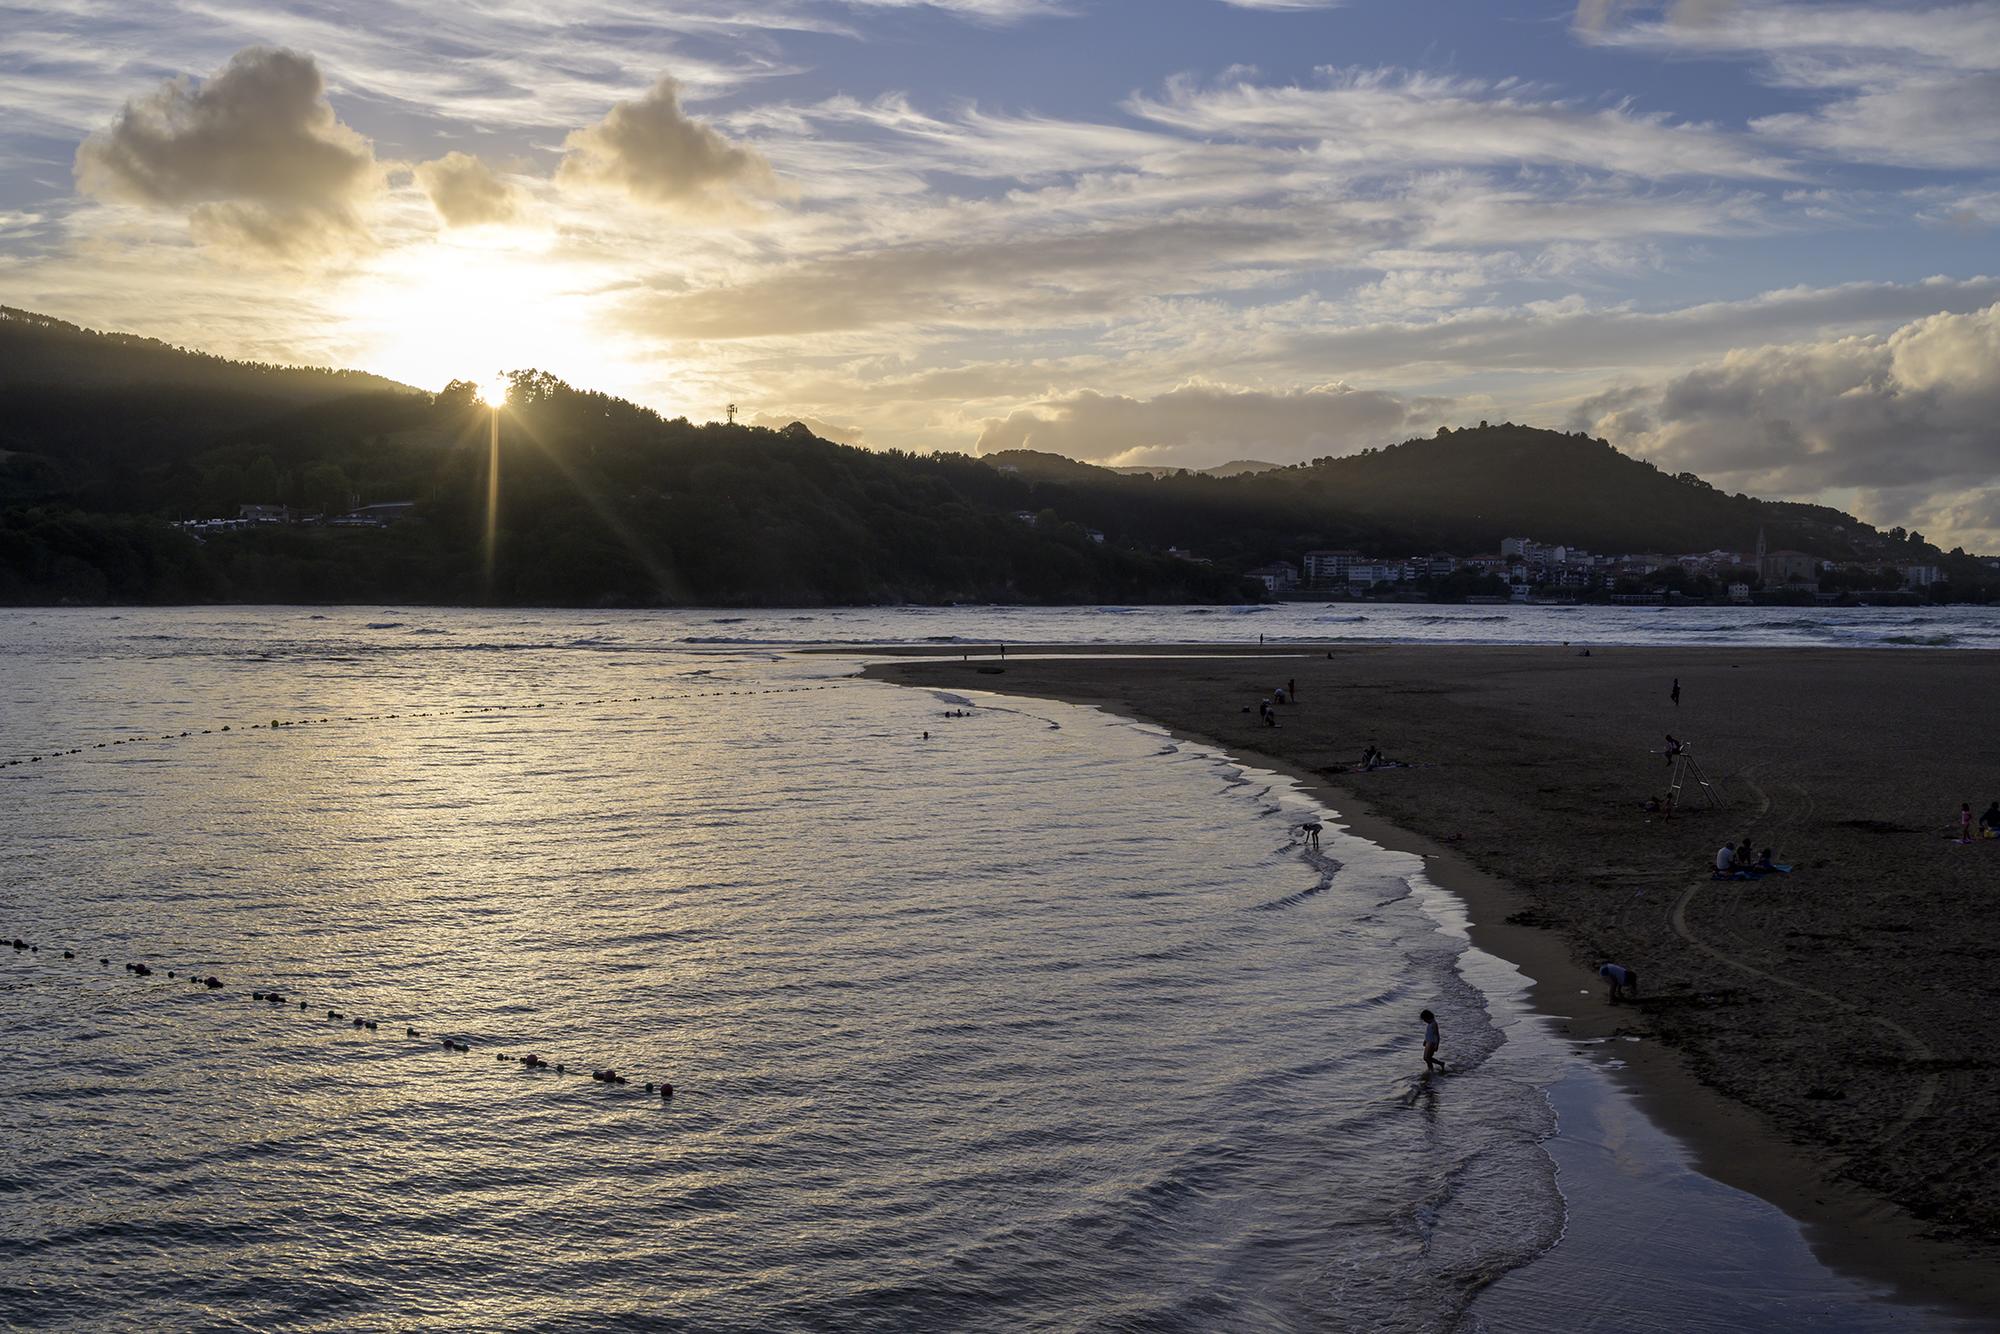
{"points": [[655, 152], [979, 281], [1902, 421], [1907, 85], [819, 426], [1387, 117], [255, 153], [466, 192], [1570, 336], [1199, 425]]}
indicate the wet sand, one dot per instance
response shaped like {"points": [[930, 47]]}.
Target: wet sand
{"points": [[1823, 1040]]}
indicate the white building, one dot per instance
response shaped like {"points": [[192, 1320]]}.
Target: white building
{"points": [[1277, 577], [1921, 576], [1330, 567]]}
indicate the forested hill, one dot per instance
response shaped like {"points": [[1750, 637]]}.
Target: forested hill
{"points": [[1460, 491], [603, 503], [80, 411], [107, 442]]}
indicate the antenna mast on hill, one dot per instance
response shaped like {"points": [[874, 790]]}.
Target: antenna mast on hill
{"points": [[731, 410]]}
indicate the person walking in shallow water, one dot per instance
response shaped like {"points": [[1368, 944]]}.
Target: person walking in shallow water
{"points": [[1431, 1062]]}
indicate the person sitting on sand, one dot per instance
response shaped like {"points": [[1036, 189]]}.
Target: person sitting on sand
{"points": [[1989, 823], [1431, 1061], [1725, 862], [1744, 861], [1622, 980], [1371, 756], [1765, 866]]}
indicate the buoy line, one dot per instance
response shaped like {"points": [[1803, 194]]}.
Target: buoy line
{"points": [[609, 1077], [464, 711]]}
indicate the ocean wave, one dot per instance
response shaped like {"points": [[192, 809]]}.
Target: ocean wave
{"points": [[385, 625], [1921, 641]]}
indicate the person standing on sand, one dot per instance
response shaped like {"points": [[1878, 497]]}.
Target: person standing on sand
{"points": [[1676, 692], [1292, 686], [1965, 822], [1431, 1061], [1622, 980]]}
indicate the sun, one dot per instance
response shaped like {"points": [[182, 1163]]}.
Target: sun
{"points": [[494, 392], [423, 313]]}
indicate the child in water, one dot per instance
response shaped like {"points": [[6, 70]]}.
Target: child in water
{"points": [[1431, 1061]]}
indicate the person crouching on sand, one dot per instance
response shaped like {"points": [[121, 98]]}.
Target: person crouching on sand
{"points": [[1431, 1061], [1622, 980]]}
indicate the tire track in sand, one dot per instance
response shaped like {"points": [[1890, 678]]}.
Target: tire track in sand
{"points": [[1926, 1096]]}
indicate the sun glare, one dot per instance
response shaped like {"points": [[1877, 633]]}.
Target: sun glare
{"points": [[494, 392], [424, 314]]}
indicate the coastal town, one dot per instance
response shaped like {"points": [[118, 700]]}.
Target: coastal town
{"points": [[1525, 570]]}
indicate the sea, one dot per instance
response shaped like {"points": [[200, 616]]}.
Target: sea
{"points": [[978, 1013]]}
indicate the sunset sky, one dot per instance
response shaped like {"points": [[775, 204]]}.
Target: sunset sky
{"points": [[1758, 239]]}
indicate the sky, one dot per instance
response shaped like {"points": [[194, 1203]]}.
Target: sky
{"points": [[1758, 240]]}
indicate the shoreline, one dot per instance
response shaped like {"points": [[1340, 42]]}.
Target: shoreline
{"points": [[1853, 1229]]}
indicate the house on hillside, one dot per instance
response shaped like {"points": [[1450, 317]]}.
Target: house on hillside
{"points": [[1277, 577], [264, 513], [1786, 569]]}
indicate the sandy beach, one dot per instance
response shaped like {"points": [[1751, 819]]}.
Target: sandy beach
{"points": [[1822, 1038]]}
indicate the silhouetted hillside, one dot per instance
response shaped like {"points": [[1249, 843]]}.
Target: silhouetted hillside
{"points": [[105, 440], [80, 410], [1460, 491]]}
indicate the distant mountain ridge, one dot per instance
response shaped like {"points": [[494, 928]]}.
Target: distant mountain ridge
{"points": [[1233, 468]]}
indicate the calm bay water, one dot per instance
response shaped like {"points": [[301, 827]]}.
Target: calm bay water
{"points": [[1046, 1021]]}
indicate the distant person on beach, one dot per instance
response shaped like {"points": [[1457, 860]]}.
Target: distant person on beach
{"points": [[1674, 747], [1279, 696], [1372, 757], [1431, 1061], [1965, 822], [1725, 862], [1311, 829], [1675, 693], [1765, 866], [1743, 857], [1621, 978], [1989, 823]]}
